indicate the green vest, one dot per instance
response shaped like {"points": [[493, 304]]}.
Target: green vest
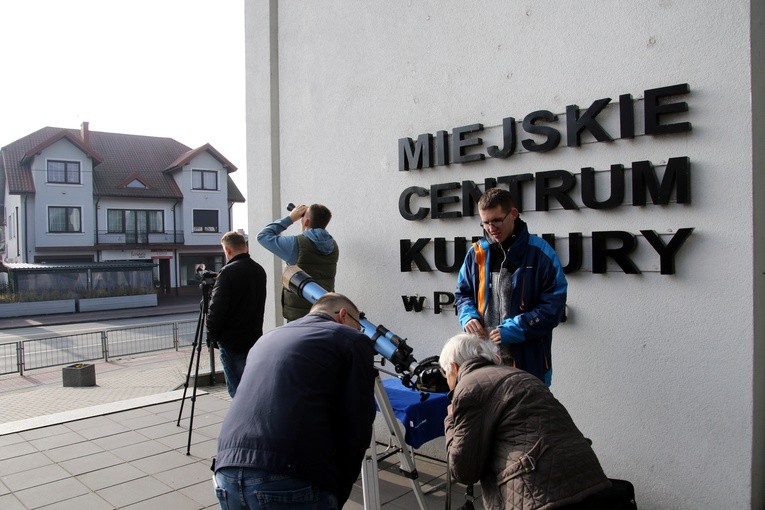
{"points": [[322, 268]]}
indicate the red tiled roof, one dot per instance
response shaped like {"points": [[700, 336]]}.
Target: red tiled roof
{"points": [[184, 159], [117, 160]]}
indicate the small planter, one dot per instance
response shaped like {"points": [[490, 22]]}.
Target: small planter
{"points": [[37, 308], [81, 374]]}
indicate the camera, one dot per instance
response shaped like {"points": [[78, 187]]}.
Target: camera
{"points": [[208, 277]]}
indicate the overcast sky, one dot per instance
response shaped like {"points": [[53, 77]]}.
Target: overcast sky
{"points": [[169, 68]]}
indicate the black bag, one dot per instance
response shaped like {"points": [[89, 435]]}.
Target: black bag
{"points": [[620, 496]]}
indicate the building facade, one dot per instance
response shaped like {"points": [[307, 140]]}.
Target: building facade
{"points": [[86, 196], [630, 134]]}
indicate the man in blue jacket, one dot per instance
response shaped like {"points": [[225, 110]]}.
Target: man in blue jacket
{"points": [[297, 431], [511, 287], [314, 250]]}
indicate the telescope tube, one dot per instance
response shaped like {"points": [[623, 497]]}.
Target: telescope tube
{"points": [[389, 345]]}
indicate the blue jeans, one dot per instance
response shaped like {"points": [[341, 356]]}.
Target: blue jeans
{"points": [[233, 368], [253, 489]]}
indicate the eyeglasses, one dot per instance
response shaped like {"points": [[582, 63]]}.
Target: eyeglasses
{"points": [[494, 223], [360, 328]]}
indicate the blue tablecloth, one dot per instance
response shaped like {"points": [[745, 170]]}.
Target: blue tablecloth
{"points": [[423, 419]]}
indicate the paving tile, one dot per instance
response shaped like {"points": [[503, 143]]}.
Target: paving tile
{"points": [[201, 492], [163, 429], [73, 451], [97, 427], [139, 450], [34, 477], [10, 502], [162, 462], [90, 463], [85, 502], [185, 476], [14, 450], [108, 477], [211, 430], [50, 493], [9, 439], [179, 440], [119, 440], [51, 442], [204, 449], [43, 432], [134, 491], [172, 500], [23, 463], [141, 422]]}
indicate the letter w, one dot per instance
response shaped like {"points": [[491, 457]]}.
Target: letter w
{"points": [[413, 303]]}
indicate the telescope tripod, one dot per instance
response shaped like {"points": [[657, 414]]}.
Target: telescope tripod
{"points": [[196, 353], [369, 470]]}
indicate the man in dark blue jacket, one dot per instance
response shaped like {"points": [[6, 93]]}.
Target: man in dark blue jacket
{"points": [[302, 419], [511, 287]]}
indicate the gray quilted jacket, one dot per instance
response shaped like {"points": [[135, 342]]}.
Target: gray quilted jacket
{"points": [[509, 432]]}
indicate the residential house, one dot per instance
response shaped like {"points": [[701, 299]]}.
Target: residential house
{"points": [[73, 196]]}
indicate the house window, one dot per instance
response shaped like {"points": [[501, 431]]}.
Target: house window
{"points": [[204, 179], [64, 172], [205, 220], [64, 219], [129, 220], [136, 183]]}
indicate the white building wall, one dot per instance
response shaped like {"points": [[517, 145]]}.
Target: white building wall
{"points": [[62, 195], [656, 369], [203, 199]]}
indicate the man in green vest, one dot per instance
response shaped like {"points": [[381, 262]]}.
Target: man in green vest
{"points": [[314, 250]]}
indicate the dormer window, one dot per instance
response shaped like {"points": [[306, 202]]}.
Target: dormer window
{"points": [[204, 180], [64, 172], [135, 183]]}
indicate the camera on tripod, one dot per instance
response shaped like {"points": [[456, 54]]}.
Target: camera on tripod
{"points": [[206, 276]]}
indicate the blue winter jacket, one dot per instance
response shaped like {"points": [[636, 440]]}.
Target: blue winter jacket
{"points": [[537, 303]]}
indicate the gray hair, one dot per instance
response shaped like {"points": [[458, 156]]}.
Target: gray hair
{"points": [[464, 347]]}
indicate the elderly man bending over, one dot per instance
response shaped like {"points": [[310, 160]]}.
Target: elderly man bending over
{"points": [[506, 429]]}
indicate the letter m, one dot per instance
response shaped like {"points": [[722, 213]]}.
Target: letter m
{"points": [[415, 155], [677, 174]]}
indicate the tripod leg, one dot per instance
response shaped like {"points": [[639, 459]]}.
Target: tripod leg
{"points": [[194, 392], [197, 342], [369, 482], [407, 467]]}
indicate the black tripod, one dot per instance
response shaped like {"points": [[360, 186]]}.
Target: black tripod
{"points": [[196, 353]]}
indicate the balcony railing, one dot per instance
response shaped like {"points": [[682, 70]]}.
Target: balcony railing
{"points": [[170, 237]]}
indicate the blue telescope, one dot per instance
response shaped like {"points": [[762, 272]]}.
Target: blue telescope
{"points": [[424, 376]]}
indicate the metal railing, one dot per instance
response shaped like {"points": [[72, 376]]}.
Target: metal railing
{"points": [[166, 237], [17, 357]]}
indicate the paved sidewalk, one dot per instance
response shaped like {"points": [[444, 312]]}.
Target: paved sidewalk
{"points": [[119, 444]]}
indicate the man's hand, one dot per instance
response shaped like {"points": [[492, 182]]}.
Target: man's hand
{"points": [[474, 326], [298, 212], [495, 337]]}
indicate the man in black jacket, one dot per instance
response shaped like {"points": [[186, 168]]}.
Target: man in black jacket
{"points": [[237, 304], [298, 430]]}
